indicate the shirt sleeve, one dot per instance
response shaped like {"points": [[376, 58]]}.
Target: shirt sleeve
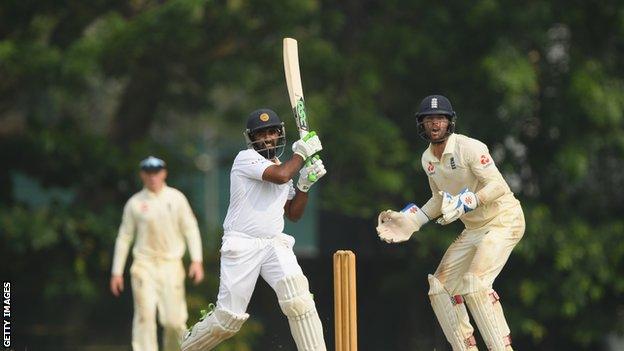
{"points": [[432, 207], [125, 236], [250, 164], [483, 167], [291, 190], [190, 229]]}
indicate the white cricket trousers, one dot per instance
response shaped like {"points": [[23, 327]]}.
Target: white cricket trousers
{"points": [[158, 287], [482, 251], [244, 258]]}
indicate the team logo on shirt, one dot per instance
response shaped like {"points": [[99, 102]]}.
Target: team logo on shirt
{"points": [[430, 169], [264, 117], [453, 165], [485, 160], [144, 207]]}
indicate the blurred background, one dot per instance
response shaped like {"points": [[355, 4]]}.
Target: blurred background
{"points": [[89, 88]]}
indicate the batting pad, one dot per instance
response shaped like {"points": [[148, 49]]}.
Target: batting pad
{"points": [[500, 319], [487, 312], [452, 315], [206, 334], [297, 304]]}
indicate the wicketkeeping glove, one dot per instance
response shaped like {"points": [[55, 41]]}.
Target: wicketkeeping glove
{"points": [[396, 227], [307, 146], [315, 167], [455, 206]]}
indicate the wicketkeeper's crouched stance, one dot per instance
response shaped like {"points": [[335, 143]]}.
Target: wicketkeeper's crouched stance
{"points": [[466, 185], [261, 193]]}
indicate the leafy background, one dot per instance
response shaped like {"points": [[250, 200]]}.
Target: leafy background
{"points": [[89, 88]]}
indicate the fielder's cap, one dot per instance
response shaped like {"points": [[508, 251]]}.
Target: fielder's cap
{"points": [[152, 164], [262, 118], [435, 105]]}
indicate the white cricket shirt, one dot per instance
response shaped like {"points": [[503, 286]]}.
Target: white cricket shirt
{"points": [[162, 222], [256, 206], [467, 163]]}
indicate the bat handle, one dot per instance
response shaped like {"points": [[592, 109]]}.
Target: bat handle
{"points": [[312, 176], [305, 135]]}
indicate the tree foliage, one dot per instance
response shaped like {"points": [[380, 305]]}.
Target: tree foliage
{"points": [[89, 88]]}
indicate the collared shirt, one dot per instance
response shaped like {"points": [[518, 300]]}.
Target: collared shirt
{"points": [[467, 163], [256, 206], [162, 222]]}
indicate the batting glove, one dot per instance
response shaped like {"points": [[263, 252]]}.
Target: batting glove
{"points": [[453, 207], [317, 168], [307, 146], [396, 227]]}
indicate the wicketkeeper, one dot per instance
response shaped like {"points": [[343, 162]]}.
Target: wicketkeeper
{"points": [[261, 193], [466, 185]]}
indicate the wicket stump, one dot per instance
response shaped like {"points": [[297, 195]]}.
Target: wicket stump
{"points": [[345, 305]]}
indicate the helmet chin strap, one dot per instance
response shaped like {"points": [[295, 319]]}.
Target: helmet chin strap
{"points": [[264, 150], [268, 152], [447, 133], [441, 140], [422, 132]]}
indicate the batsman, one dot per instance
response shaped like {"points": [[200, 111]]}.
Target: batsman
{"points": [[465, 185], [262, 193]]}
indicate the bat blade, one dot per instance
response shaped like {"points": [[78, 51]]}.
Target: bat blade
{"points": [[293, 82], [295, 91]]}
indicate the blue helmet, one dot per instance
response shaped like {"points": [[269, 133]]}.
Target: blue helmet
{"points": [[435, 105], [261, 119]]}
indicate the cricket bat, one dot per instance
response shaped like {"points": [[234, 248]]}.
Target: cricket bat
{"points": [[295, 91]]}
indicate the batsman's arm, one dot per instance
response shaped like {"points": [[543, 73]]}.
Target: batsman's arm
{"points": [[302, 149], [294, 209], [282, 173]]}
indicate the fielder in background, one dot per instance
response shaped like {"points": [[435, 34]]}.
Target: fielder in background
{"points": [[261, 193], [466, 185], [163, 221]]}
